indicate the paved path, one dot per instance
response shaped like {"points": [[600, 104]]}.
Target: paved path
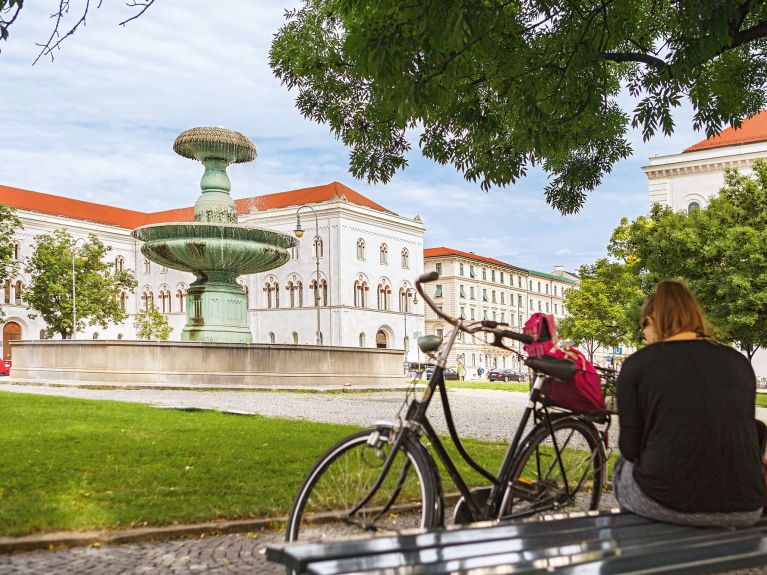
{"points": [[479, 413]]}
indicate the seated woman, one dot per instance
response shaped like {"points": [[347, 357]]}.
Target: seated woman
{"points": [[686, 406]]}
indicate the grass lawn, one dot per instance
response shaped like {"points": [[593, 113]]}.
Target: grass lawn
{"points": [[761, 399], [70, 464]]}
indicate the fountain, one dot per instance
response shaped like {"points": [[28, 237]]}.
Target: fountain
{"points": [[214, 247]]}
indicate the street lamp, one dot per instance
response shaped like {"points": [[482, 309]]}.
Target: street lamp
{"points": [[84, 258], [299, 233]]}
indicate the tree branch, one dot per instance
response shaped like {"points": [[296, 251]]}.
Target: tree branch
{"points": [[133, 4], [638, 57]]}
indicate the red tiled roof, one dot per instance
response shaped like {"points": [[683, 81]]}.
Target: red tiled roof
{"points": [[443, 251], [99, 213], [753, 129]]}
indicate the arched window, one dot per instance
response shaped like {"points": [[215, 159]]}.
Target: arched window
{"points": [[244, 285], [384, 254], [7, 290], [295, 252], [181, 297], [405, 297], [360, 293], [95, 335], [405, 259], [384, 296], [271, 337], [315, 294], [324, 291], [119, 336], [272, 289], [473, 359], [692, 206], [362, 340], [318, 247], [42, 334], [360, 249], [295, 337], [381, 339], [164, 297], [147, 299], [292, 294], [119, 263], [17, 295], [147, 266], [123, 301], [16, 250]]}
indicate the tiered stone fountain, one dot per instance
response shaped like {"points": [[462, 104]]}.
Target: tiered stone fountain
{"points": [[214, 247]]}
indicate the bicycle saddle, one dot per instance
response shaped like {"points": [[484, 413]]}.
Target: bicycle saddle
{"points": [[562, 369]]}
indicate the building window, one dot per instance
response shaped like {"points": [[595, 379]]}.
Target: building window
{"points": [[502, 298], [555, 290], [539, 287], [692, 206], [119, 263], [164, 297], [463, 313], [460, 269], [438, 268], [317, 296], [384, 296], [362, 340], [530, 285], [503, 317], [318, 247], [147, 299], [295, 252], [492, 275], [181, 297], [471, 311], [272, 339], [501, 277], [492, 296], [438, 290], [295, 338], [461, 292], [16, 251], [147, 266], [324, 291], [272, 289], [405, 259], [484, 314], [471, 292], [361, 249], [547, 307], [484, 273], [555, 308], [381, 339], [123, 301], [472, 273], [519, 281], [404, 299], [484, 294], [17, 294], [7, 290], [539, 305], [360, 293], [384, 255], [547, 289], [530, 302], [519, 300]]}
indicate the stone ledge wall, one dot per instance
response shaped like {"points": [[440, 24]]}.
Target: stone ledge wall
{"points": [[203, 364]]}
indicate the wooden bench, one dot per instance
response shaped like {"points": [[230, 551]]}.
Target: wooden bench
{"points": [[584, 543]]}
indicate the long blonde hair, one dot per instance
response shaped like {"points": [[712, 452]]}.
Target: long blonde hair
{"points": [[674, 309]]}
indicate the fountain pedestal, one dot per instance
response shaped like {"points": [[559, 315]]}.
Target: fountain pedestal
{"points": [[214, 247]]}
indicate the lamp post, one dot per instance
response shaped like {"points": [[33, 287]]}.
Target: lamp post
{"points": [[83, 257], [299, 232]]}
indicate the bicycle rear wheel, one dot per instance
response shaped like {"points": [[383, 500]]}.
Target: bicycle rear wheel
{"points": [[409, 497], [541, 482]]}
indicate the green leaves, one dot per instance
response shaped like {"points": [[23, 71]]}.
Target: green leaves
{"points": [[496, 87], [9, 265], [151, 324], [97, 285]]}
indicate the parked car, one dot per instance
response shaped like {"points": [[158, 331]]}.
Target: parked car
{"points": [[449, 373], [5, 367], [498, 374]]}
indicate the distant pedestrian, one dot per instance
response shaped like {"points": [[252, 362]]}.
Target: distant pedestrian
{"points": [[480, 371], [461, 371]]}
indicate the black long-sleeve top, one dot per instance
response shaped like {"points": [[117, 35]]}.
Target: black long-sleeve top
{"points": [[686, 410]]}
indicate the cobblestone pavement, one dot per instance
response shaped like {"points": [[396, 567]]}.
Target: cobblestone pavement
{"points": [[479, 413]]}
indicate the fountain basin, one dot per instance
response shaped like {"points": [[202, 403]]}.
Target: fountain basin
{"points": [[209, 247]]}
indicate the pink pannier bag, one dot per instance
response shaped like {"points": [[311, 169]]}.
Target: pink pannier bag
{"points": [[583, 393]]}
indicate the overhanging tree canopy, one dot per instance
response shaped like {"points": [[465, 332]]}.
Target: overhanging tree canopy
{"points": [[494, 87]]}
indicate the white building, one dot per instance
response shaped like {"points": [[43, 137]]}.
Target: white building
{"points": [[687, 180], [684, 181], [478, 287], [369, 258]]}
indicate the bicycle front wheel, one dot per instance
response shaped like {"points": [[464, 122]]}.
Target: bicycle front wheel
{"points": [[544, 482], [410, 495]]}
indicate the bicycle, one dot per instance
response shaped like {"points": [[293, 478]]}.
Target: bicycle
{"points": [[384, 479]]}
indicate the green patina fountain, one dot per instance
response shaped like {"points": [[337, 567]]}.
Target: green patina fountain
{"points": [[214, 247]]}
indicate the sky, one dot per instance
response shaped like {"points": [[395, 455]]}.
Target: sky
{"points": [[98, 123]]}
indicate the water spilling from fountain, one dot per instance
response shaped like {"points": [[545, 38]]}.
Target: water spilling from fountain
{"points": [[215, 248]]}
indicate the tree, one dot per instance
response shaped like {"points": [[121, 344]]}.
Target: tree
{"points": [[151, 324], [10, 10], [97, 284], [598, 308], [721, 251], [9, 265], [495, 87]]}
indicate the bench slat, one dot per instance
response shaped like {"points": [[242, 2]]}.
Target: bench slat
{"points": [[507, 550], [298, 555]]}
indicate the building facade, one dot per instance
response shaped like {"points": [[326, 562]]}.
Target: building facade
{"points": [[477, 287], [369, 258]]}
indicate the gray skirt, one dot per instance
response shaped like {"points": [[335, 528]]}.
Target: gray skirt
{"points": [[631, 498]]}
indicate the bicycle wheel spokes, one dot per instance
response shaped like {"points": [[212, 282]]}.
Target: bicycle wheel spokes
{"points": [[345, 476], [544, 482]]}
